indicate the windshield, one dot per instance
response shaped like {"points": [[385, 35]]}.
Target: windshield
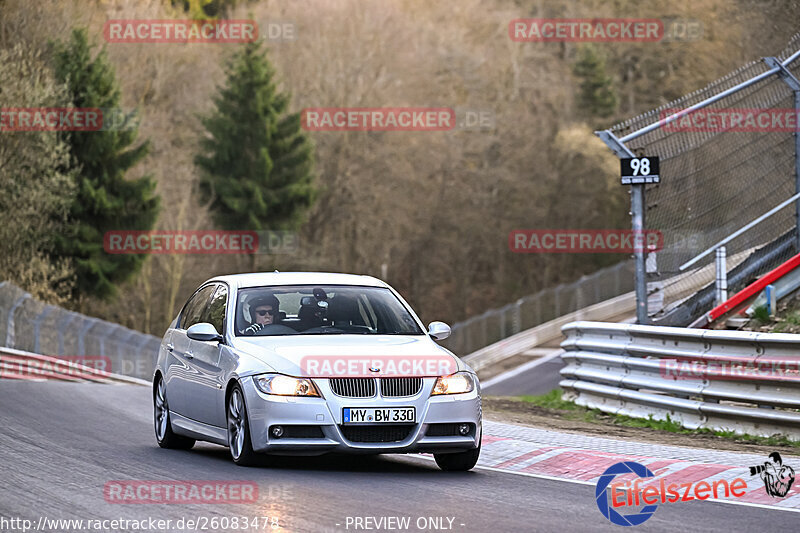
{"points": [[322, 310]]}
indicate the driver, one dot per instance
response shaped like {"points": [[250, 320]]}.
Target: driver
{"points": [[264, 311]]}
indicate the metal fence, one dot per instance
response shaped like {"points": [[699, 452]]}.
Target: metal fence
{"points": [[29, 325], [719, 171], [725, 380], [497, 324]]}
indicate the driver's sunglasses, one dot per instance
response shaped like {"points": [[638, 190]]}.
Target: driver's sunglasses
{"points": [[264, 312]]}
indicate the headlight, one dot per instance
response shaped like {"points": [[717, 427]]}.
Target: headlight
{"points": [[281, 385], [458, 383]]}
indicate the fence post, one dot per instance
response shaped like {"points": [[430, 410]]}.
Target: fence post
{"points": [[794, 85], [722, 276], [11, 339], [557, 298], [637, 224], [37, 324]]}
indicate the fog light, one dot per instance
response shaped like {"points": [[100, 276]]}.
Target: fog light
{"points": [[463, 429], [277, 431]]}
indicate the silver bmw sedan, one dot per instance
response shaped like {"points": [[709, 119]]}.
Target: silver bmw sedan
{"points": [[311, 363]]}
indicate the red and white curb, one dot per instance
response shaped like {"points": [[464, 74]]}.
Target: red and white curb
{"points": [[583, 459], [21, 365]]}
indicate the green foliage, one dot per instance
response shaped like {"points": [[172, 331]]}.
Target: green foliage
{"points": [[105, 199], [205, 9], [257, 163], [793, 318], [596, 95], [761, 314], [551, 400]]}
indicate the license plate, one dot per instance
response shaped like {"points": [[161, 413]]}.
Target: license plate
{"points": [[369, 415]]}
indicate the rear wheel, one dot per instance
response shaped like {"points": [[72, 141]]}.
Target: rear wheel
{"points": [[239, 441], [164, 435]]}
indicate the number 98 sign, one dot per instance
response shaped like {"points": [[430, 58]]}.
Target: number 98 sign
{"points": [[639, 170]]}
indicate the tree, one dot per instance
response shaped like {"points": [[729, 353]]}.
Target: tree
{"points": [[257, 163], [596, 95], [105, 199], [35, 191]]}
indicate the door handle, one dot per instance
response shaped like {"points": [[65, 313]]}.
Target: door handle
{"points": [[189, 355], [170, 347]]}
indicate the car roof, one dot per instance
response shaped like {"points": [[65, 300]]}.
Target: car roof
{"points": [[265, 279]]}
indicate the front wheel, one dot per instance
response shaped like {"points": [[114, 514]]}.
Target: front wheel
{"points": [[164, 435], [458, 462], [239, 430]]}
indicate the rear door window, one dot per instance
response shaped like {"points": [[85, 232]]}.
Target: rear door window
{"points": [[193, 310], [214, 312]]}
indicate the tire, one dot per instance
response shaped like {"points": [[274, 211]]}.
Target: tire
{"points": [[165, 437], [458, 462], [239, 443]]}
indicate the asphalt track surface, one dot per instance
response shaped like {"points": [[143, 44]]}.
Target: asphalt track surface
{"points": [[540, 379], [61, 442]]}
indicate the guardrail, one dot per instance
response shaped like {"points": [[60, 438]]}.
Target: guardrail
{"points": [[745, 382], [32, 326]]}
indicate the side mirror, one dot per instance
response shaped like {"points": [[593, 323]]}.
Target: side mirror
{"points": [[438, 330], [203, 331]]}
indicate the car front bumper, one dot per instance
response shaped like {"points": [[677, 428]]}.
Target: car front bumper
{"points": [[266, 411]]}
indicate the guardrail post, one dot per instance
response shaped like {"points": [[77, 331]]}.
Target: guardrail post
{"points": [[794, 85], [772, 300], [637, 224]]}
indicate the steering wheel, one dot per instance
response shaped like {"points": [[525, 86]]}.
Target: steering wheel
{"points": [[271, 329]]}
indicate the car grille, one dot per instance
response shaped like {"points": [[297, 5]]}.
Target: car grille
{"points": [[365, 387], [399, 387], [377, 433], [353, 387]]}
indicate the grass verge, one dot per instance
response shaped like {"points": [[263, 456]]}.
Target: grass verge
{"points": [[572, 411]]}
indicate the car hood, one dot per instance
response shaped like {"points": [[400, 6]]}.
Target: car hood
{"points": [[288, 354]]}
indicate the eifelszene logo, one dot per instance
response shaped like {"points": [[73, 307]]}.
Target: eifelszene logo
{"points": [[612, 494], [601, 495], [777, 477]]}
